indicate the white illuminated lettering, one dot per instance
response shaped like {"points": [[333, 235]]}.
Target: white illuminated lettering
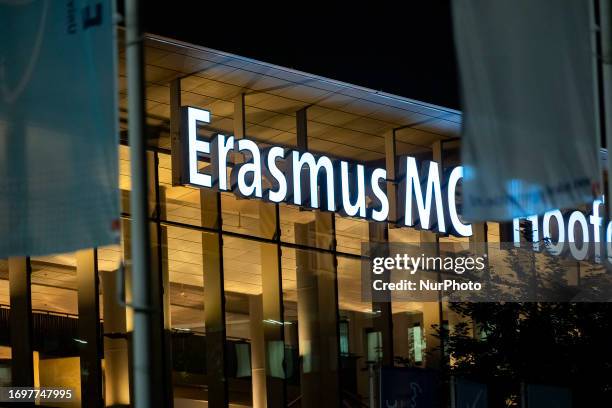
{"points": [[578, 217], [382, 213], [359, 208], [279, 175], [597, 221], [609, 241], [464, 230], [196, 146], [314, 166], [272, 155], [423, 204], [535, 233], [557, 248], [248, 180], [221, 146], [516, 232], [573, 228]]}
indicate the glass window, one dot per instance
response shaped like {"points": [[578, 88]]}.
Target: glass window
{"points": [[241, 215], [54, 284], [290, 216], [55, 322], [344, 337], [181, 204], [183, 258], [416, 340], [374, 346], [350, 234]]}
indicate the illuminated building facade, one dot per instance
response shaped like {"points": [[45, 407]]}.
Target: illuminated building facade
{"points": [[258, 294]]}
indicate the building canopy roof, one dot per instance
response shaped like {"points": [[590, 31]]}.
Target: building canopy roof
{"points": [[344, 120]]}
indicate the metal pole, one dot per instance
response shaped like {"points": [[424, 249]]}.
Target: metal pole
{"points": [[453, 401], [605, 19], [141, 252], [371, 379]]}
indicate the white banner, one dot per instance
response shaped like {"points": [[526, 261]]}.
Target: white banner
{"points": [[58, 126], [530, 137]]}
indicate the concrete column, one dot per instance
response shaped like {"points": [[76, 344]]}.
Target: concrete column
{"points": [[317, 316], [391, 167], [272, 304], [258, 351], [433, 311], [379, 233], [268, 386], [89, 327], [506, 234], [479, 245], [160, 298], [126, 249], [116, 355], [478, 240], [214, 300], [20, 292], [175, 132], [326, 269], [401, 324], [383, 315], [239, 122], [317, 289], [431, 316], [239, 117], [301, 119]]}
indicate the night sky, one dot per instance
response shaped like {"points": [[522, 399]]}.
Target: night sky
{"points": [[405, 50]]}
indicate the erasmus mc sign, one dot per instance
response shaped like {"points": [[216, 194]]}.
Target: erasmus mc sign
{"points": [[278, 174]]}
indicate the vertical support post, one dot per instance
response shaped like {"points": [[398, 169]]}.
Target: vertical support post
{"points": [[317, 316], [160, 281], [453, 392], [258, 351], [116, 350], [391, 167], [89, 327], [379, 234], [272, 382], [301, 117], [175, 131], [272, 305], [383, 315], [433, 312], [327, 284], [478, 240], [126, 231], [214, 299], [239, 117], [145, 393], [272, 291], [239, 122], [20, 292], [317, 288]]}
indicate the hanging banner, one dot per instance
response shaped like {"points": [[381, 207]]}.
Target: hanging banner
{"points": [[530, 140], [58, 126]]}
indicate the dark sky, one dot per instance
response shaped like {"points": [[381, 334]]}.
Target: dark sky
{"points": [[405, 50]]}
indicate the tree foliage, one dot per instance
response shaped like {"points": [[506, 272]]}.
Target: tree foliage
{"points": [[564, 344]]}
